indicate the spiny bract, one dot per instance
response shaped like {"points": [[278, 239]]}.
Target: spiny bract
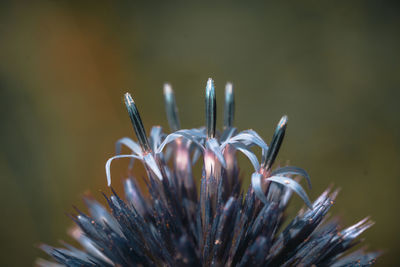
{"points": [[218, 225]]}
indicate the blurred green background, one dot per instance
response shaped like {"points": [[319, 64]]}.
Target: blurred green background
{"points": [[332, 67]]}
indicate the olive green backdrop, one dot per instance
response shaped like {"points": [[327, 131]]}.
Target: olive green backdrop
{"points": [[333, 67]]}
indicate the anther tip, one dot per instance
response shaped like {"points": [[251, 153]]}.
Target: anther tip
{"points": [[128, 99], [167, 89], [228, 88], [210, 85], [283, 122]]}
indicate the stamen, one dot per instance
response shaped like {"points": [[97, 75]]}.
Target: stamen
{"points": [[137, 123], [171, 108], [211, 109], [229, 109], [276, 142]]}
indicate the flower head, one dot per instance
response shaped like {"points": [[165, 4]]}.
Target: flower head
{"points": [[221, 224]]}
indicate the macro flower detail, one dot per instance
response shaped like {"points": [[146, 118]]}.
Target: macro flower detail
{"points": [[208, 219]]}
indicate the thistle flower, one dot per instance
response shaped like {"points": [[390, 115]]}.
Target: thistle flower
{"points": [[218, 225]]}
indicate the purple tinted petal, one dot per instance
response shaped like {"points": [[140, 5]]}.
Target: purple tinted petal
{"points": [[213, 145]]}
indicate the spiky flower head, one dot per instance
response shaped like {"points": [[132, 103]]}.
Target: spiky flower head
{"points": [[221, 224]]}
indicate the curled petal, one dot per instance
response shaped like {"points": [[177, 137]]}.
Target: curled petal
{"points": [[292, 184], [227, 134], [213, 145], [248, 138], [292, 170], [198, 132], [250, 155], [129, 143], [132, 145], [108, 165], [256, 183], [156, 136], [256, 137], [187, 134], [150, 161]]}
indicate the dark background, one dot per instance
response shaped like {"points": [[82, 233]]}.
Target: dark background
{"points": [[332, 67]]}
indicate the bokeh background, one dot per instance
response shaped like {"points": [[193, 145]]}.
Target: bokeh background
{"points": [[332, 67]]}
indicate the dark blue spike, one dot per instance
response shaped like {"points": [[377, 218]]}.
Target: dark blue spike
{"points": [[357, 258], [254, 254], [137, 123], [187, 253], [276, 143], [223, 235], [211, 109], [298, 231]]}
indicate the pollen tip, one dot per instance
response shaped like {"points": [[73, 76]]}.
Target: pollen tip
{"points": [[283, 122], [128, 99], [210, 89], [228, 88], [168, 89]]}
